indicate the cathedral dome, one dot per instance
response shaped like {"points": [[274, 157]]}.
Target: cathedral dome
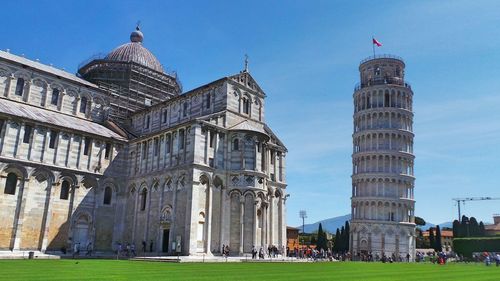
{"points": [[135, 52]]}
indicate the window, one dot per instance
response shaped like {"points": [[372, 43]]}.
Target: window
{"points": [[157, 146], [263, 159], [181, 139], [108, 192], [1, 125], [184, 109], [83, 105], [272, 157], [148, 119], [19, 87], [167, 143], [55, 97], [246, 106], [64, 191], [144, 150], [377, 71], [236, 144], [10, 184], [86, 146], [386, 103], [107, 151], [144, 196], [209, 99], [53, 138], [165, 116], [27, 134], [212, 138]]}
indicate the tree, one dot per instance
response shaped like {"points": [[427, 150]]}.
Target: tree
{"points": [[431, 239], [341, 242], [419, 221], [346, 236], [473, 227], [482, 231], [456, 229], [322, 241], [336, 245], [464, 226], [438, 245]]}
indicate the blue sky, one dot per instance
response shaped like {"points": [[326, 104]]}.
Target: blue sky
{"points": [[305, 55]]}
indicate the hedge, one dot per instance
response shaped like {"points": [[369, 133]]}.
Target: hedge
{"points": [[466, 246]]}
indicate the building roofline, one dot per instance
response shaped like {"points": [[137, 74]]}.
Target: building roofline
{"points": [[59, 73]]}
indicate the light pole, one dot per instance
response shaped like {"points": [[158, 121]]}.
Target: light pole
{"points": [[303, 216]]}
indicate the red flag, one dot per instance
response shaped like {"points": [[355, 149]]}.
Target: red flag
{"points": [[374, 41]]}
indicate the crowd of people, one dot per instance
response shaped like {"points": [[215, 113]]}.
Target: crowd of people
{"points": [[129, 249], [77, 247]]}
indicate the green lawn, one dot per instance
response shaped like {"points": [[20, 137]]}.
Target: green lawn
{"points": [[139, 270]]}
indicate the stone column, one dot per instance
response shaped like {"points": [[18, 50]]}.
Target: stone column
{"points": [[256, 206], [216, 149], [271, 221], [9, 86], [27, 91], [208, 221], [77, 105], [159, 237], [135, 214], [71, 209], [3, 134], [47, 216], [242, 223], [171, 234], [68, 153], [19, 214], [19, 139], [148, 212], [207, 144], [61, 100], [222, 214]]}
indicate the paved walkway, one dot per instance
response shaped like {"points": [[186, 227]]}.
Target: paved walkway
{"points": [[147, 257]]}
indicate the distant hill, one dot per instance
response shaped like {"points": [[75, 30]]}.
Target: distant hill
{"points": [[428, 225], [329, 225], [332, 224]]}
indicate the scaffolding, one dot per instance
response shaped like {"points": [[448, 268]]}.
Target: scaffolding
{"points": [[130, 86]]}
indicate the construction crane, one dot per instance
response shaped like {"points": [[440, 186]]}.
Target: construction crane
{"points": [[462, 201]]}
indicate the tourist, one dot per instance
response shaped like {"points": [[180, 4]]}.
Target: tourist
{"points": [[497, 259], [487, 260], [132, 249], [119, 251], [254, 253], [89, 249], [143, 246], [261, 253], [151, 246], [222, 251], [76, 249]]}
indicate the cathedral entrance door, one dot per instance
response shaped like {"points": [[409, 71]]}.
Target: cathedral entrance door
{"points": [[80, 235], [166, 233], [81, 231]]}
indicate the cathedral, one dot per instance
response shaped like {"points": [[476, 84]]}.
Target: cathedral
{"points": [[118, 153]]}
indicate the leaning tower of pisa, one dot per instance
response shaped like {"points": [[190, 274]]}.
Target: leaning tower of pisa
{"points": [[382, 202]]}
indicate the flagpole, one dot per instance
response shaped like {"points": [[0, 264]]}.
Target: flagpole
{"points": [[373, 47]]}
